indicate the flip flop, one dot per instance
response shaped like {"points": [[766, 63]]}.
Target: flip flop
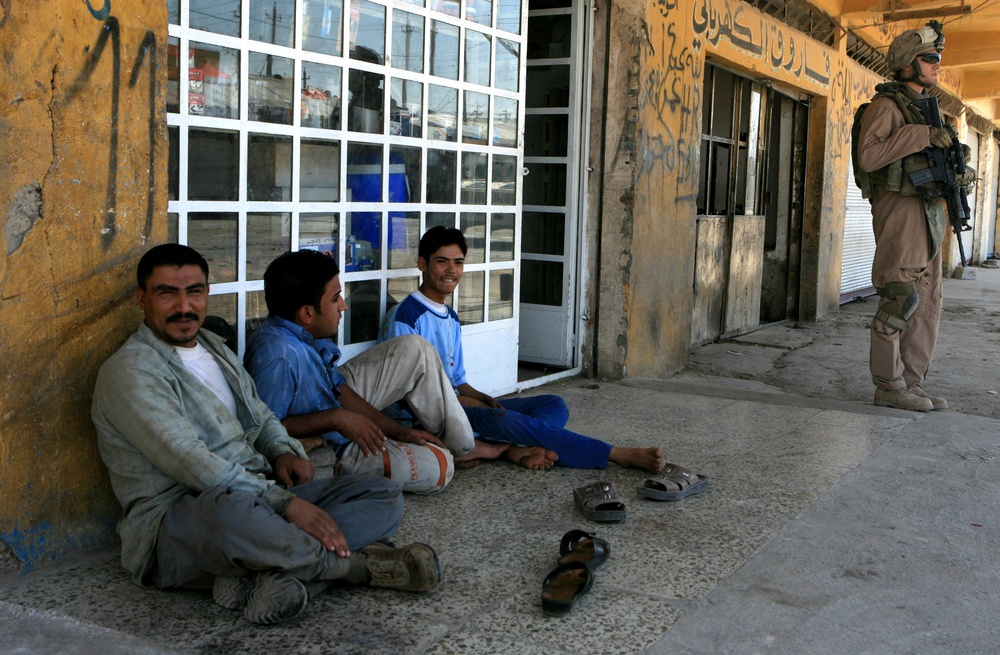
{"points": [[580, 546], [564, 585], [673, 483], [599, 501]]}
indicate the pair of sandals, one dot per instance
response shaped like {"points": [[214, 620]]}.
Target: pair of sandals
{"points": [[580, 553], [599, 501]]}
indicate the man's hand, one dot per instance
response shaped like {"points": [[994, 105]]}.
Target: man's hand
{"points": [[316, 522], [487, 403], [940, 138], [418, 437], [362, 431], [291, 470]]}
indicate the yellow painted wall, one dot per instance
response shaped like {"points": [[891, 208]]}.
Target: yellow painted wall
{"points": [[82, 188]]}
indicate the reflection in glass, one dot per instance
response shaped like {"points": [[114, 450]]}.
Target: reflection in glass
{"points": [[224, 306], [319, 232], [273, 21], [505, 174], [322, 26], [408, 41], [508, 65], [364, 229], [405, 102], [362, 251], [215, 237], [362, 316], [364, 111], [320, 95], [367, 31], [213, 81], [404, 161], [447, 219], [319, 171], [479, 11], [213, 165], [442, 167], [546, 185], [404, 236], [552, 89], [269, 170], [219, 16], [444, 50], [173, 235], [256, 311], [504, 122], [473, 226], [474, 178], [174, 12], [471, 295], [268, 235], [502, 238], [509, 16], [543, 233], [475, 118], [398, 288], [541, 283], [442, 112], [173, 163], [550, 36], [478, 49], [501, 294], [546, 135], [271, 82], [173, 75]]}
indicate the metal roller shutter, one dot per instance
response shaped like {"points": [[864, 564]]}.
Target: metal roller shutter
{"points": [[967, 237], [859, 245]]}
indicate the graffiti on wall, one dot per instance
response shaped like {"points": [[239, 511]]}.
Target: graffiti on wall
{"points": [[847, 92], [4, 11]]}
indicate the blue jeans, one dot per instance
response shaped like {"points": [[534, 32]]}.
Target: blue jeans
{"points": [[539, 421]]}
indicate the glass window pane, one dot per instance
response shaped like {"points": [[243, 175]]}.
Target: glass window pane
{"points": [[398, 288], [505, 174], [476, 118], [447, 219], [404, 236], [173, 163], [271, 81], [367, 36], [269, 173], [319, 171], [479, 11], [545, 185], [172, 226], [447, 7], [442, 112], [504, 122], [364, 109], [321, 95], [219, 16], [173, 75], [320, 232], [474, 178], [256, 311], [550, 36], [442, 168], [268, 235], [223, 306], [364, 172], [419, 3], [322, 26], [213, 81], [215, 237], [502, 238], [474, 228], [549, 87], [546, 135], [444, 50], [471, 294], [404, 174], [478, 48], [362, 316], [501, 294], [408, 41], [543, 233], [541, 283], [405, 101], [273, 21], [364, 241], [174, 12], [213, 165], [508, 65], [509, 16]]}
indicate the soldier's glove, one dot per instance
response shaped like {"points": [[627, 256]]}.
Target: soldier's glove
{"points": [[940, 138]]}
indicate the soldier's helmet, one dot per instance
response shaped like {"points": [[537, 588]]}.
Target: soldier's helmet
{"points": [[905, 47]]}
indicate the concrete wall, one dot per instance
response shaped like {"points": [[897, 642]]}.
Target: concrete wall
{"points": [[82, 187]]}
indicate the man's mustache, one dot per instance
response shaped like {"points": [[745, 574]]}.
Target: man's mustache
{"points": [[183, 316]]}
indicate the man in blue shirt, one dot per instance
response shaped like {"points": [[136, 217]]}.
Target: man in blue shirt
{"points": [[295, 362], [535, 425]]}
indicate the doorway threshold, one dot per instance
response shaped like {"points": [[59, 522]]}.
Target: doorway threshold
{"points": [[531, 375]]}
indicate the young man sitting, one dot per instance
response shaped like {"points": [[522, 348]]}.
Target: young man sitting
{"points": [[534, 426]]}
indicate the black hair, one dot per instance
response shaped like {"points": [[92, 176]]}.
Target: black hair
{"points": [[296, 279], [438, 237], [168, 254]]}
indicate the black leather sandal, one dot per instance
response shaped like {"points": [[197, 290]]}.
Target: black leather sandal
{"points": [[564, 585], [580, 546]]}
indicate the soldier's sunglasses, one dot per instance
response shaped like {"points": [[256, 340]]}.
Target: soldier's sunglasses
{"points": [[931, 58]]}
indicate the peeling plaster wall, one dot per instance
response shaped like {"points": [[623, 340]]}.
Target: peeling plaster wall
{"points": [[82, 173]]}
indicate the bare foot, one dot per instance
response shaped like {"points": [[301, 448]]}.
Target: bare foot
{"points": [[535, 458], [649, 459], [482, 450]]}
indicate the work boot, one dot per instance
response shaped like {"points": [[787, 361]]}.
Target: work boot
{"points": [[902, 399], [265, 598], [937, 401], [231, 591], [411, 568]]}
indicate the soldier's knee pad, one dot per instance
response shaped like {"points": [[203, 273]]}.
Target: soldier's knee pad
{"points": [[900, 300]]}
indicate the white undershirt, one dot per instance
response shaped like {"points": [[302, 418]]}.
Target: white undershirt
{"points": [[203, 365]]}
